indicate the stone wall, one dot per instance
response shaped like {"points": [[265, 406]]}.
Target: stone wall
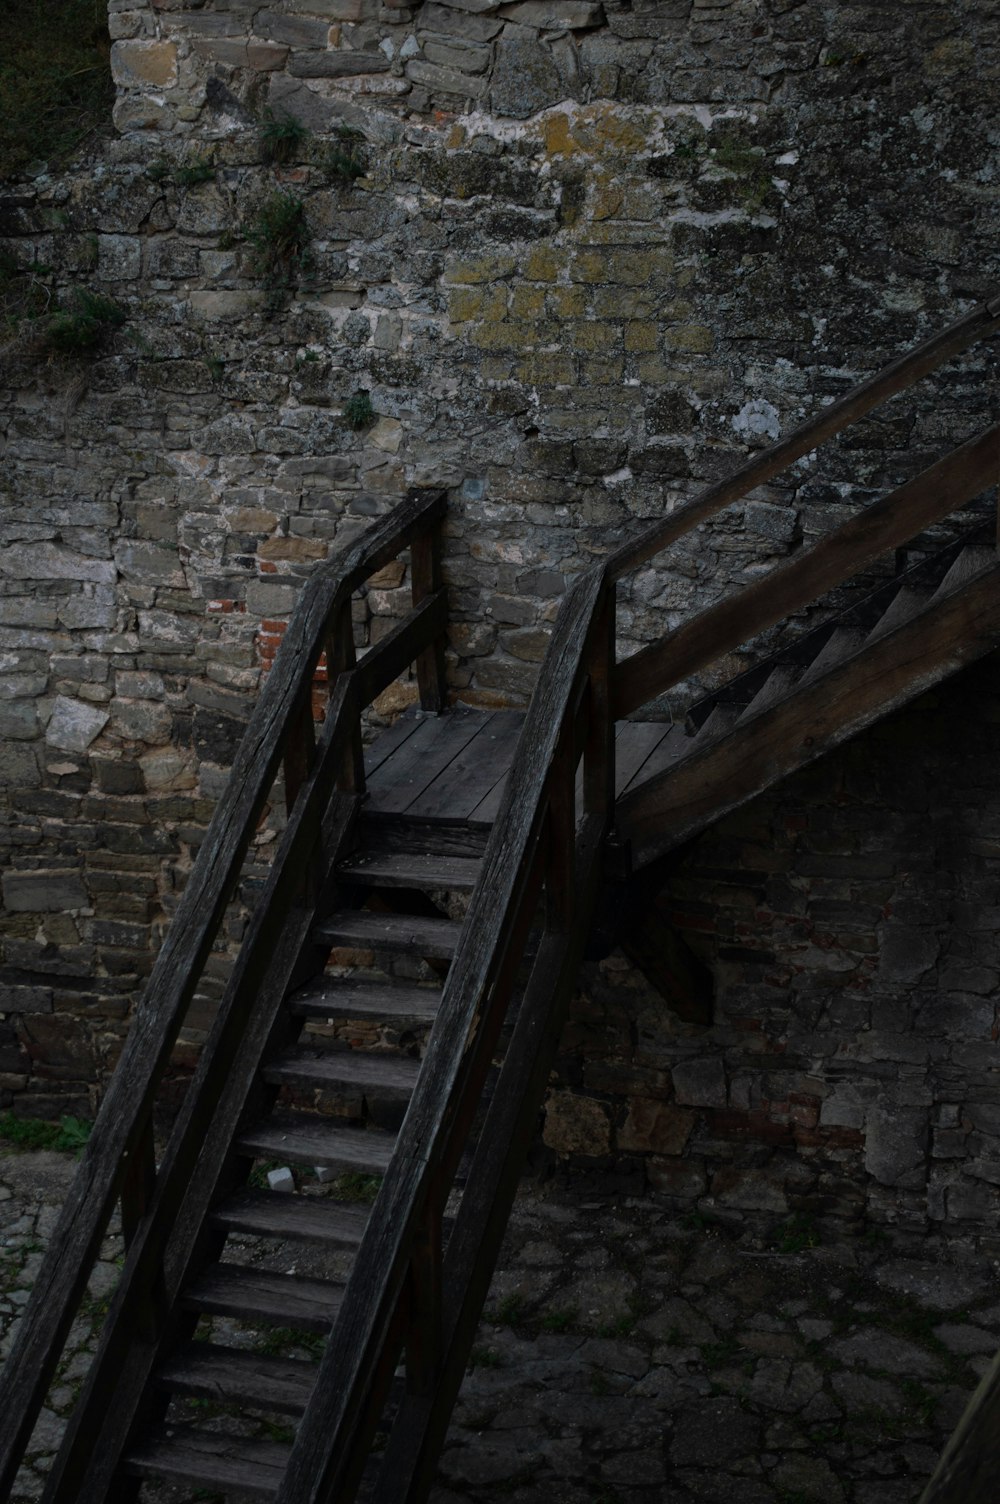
{"points": [[851, 921], [577, 258]]}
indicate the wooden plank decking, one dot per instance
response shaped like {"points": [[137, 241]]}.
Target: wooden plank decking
{"points": [[453, 767]]}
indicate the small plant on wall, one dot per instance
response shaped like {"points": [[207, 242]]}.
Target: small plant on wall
{"points": [[343, 159], [358, 410], [279, 239], [281, 138], [83, 325]]}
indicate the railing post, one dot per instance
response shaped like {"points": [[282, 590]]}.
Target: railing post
{"points": [[299, 752], [560, 865], [138, 1182], [425, 579], [341, 658], [424, 1329], [599, 752]]}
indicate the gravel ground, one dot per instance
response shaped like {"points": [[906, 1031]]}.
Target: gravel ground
{"points": [[627, 1356]]}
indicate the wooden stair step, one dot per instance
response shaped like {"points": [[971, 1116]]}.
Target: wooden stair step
{"points": [[671, 749], [308, 1305], [904, 605], [974, 559], [410, 869], [393, 834], [276, 1214], [777, 685], [402, 1007], [721, 720], [410, 933], [386, 1076], [184, 1454], [235, 1376], [842, 642], [305, 1139]]}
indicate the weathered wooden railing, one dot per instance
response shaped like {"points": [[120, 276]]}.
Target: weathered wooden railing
{"points": [[408, 1289], [119, 1161]]}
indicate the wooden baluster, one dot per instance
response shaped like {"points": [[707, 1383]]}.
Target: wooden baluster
{"points": [[341, 658], [299, 751], [599, 753], [425, 578], [138, 1182], [424, 1331], [560, 865]]}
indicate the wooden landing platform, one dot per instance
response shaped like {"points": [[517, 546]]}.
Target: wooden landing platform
{"points": [[453, 767]]}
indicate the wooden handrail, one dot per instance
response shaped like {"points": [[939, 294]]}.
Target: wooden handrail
{"points": [[896, 377], [329, 1446], [884, 525], [122, 1132]]}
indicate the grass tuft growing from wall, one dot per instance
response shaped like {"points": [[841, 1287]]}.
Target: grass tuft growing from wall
{"points": [[55, 79]]}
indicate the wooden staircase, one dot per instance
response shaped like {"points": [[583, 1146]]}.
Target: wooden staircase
{"points": [[390, 1020]]}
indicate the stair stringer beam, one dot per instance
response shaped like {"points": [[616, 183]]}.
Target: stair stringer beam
{"points": [[951, 632]]}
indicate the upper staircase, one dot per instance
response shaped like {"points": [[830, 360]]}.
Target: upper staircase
{"points": [[389, 1022]]}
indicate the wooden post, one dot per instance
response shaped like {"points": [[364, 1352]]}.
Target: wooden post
{"points": [[299, 749], [599, 752], [561, 856], [424, 1329], [425, 580], [341, 658], [138, 1182]]}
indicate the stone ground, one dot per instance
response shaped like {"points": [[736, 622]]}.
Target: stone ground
{"points": [[628, 1356]]}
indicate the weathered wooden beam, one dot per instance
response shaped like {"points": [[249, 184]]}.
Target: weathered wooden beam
{"points": [[970, 1463], [386, 661], [425, 580], [895, 377], [650, 941], [950, 632], [842, 553]]}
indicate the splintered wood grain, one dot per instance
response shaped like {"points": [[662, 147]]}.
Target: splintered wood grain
{"points": [[305, 1139], [474, 773], [185, 1455]]}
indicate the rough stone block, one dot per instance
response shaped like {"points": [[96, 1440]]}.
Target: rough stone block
{"points": [[576, 1125], [48, 561], [297, 31], [140, 720], [73, 724], [43, 892], [337, 64], [700, 1083], [655, 1127], [896, 1143], [144, 64], [525, 79], [445, 80], [554, 15]]}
